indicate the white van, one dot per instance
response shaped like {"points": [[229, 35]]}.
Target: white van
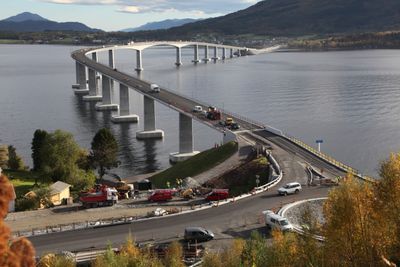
{"points": [[275, 221], [155, 88]]}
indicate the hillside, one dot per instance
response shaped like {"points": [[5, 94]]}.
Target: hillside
{"points": [[28, 22], [299, 17], [164, 24]]}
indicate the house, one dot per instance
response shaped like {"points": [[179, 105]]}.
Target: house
{"points": [[58, 192]]}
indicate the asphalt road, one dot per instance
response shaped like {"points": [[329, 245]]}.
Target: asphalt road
{"points": [[221, 220]]}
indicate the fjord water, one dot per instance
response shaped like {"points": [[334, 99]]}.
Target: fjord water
{"points": [[349, 99]]}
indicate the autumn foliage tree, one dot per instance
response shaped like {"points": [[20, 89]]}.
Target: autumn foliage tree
{"points": [[13, 252]]}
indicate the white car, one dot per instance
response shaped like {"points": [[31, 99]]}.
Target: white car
{"points": [[290, 188], [197, 109], [275, 221], [155, 88]]}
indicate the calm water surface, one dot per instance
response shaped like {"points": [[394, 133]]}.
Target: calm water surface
{"points": [[348, 99]]}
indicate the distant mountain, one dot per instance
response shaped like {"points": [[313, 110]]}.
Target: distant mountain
{"points": [[24, 17], [28, 22], [296, 18], [164, 24]]}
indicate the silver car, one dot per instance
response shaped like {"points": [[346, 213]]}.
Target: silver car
{"points": [[290, 188]]}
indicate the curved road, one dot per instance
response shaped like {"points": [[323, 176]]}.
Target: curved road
{"points": [[222, 220]]}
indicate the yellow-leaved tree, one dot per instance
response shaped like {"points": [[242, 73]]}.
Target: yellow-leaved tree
{"points": [[353, 228], [387, 192]]}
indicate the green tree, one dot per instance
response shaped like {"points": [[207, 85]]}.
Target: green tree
{"points": [[38, 141], [104, 151], [14, 160], [3, 156], [58, 156]]}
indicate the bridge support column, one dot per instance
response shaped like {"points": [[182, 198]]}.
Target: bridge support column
{"points": [[93, 87], [149, 120], [223, 53], [238, 53], [216, 57], [185, 140], [108, 90], [206, 58], [111, 59], [231, 53], [124, 109], [178, 56], [196, 54], [80, 88], [139, 66]]}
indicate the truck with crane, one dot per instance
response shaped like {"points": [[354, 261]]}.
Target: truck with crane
{"points": [[100, 195]]}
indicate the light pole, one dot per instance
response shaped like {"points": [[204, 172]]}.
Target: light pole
{"points": [[257, 180], [319, 142]]}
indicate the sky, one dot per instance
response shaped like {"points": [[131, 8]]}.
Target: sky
{"points": [[111, 15]]}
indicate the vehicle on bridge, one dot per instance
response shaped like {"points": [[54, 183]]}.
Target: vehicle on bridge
{"points": [[101, 195], [197, 109], [154, 88], [234, 126], [275, 221], [213, 113], [290, 188]]}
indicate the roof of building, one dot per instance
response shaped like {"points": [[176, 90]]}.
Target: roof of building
{"points": [[58, 187]]}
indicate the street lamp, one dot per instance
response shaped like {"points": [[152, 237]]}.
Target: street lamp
{"points": [[319, 142]]}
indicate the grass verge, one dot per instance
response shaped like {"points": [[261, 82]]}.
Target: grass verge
{"points": [[195, 165], [22, 181]]}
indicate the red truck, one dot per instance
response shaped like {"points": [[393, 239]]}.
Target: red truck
{"points": [[101, 195], [161, 195], [218, 194]]}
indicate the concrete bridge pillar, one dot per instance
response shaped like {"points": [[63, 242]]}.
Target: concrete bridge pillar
{"points": [[111, 59], [223, 53], [216, 57], [178, 56], [80, 88], [231, 53], [149, 121], [139, 66], [206, 58], [124, 109], [108, 91], [185, 140], [196, 54], [93, 87]]}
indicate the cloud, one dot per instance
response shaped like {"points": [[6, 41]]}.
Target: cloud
{"points": [[161, 6]]}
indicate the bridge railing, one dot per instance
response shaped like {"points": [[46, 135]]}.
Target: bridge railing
{"points": [[328, 158]]}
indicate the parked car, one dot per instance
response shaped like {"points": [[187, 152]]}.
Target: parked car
{"points": [[290, 188], [218, 194], [155, 88], [275, 221], [161, 195], [197, 234]]}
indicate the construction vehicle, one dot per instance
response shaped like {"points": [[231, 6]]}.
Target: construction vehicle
{"points": [[124, 189], [213, 113], [187, 194], [100, 195]]}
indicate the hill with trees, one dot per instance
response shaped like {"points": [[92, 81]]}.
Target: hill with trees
{"points": [[28, 22], [298, 18]]}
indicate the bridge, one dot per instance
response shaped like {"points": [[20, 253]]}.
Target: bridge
{"points": [[288, 150]]}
